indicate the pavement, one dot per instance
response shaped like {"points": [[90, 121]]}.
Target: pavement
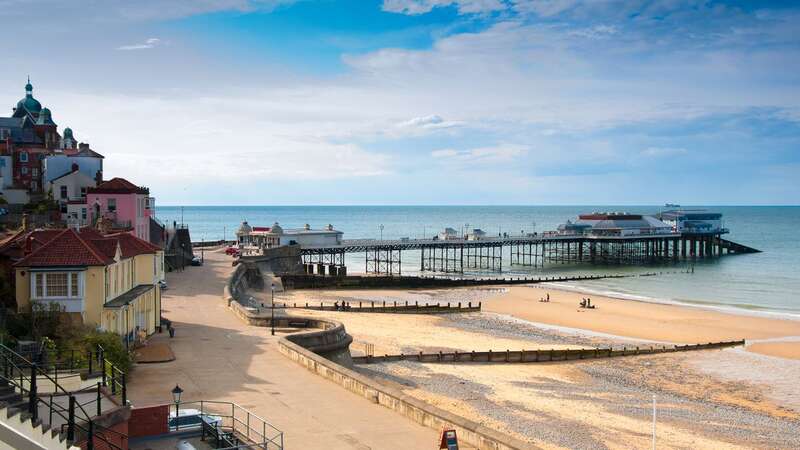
{"points": [[218, 357]]}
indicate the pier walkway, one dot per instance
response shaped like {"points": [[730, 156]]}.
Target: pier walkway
{"points": [[456, 255], [220, 358]]}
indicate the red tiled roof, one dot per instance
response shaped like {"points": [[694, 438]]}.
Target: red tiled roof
{"points": [[117, 186], [14, 247], [132, 245], [66, 249], [107, 247], [265, 229]]}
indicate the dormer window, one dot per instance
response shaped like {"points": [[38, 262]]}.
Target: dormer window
{"points": [[5, 133]]}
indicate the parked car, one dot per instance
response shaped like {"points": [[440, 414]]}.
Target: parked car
{"points": [[163, 285], [196, 261], [192, 418], [231, 251]]}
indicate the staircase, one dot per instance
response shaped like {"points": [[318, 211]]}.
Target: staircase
{"points": [[19, 431], [37, 412]]}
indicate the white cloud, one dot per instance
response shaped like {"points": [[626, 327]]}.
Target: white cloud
{"points": [[415, 7], [423, 125], [662, 152], [149, 43], [595, 32], [483, 155]]}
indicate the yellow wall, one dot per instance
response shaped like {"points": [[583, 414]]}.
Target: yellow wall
{"points": [[128, 273], [23, 290]]}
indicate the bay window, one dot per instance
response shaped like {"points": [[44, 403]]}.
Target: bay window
{"points": [[56, 285]]}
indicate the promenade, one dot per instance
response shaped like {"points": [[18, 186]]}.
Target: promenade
{"points": [[220, 358]]}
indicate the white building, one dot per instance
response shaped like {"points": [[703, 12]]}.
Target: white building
{"points": [[693, 221], [476, 234], [266, 237], [448, 234], [615, 224]]}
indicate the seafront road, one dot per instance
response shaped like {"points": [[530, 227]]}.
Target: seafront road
{"points": [[218, 357]]}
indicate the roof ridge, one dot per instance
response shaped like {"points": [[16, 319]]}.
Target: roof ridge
{"points": [[40, 249], [95, 251]]}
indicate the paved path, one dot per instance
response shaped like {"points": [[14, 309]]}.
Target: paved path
{"points": [[218, 357]]}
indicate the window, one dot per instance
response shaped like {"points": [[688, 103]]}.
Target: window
{"points": [[73, 284], [39, 285], [23, 156], [34, 186], [5, 133], [83, 192], [35, 172], [23, 170], [63, 192], [112, 204], [83, 213], [56, 285]]}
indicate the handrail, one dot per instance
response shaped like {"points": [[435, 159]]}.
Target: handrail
{"points": [[259, 431], [8, 355]]}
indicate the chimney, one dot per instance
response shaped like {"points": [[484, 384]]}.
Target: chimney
{"points": [[83, 146], [98, 178], [28, 245]]}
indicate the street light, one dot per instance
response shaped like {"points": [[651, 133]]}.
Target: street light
{"points": [[272, 319], [466, 229], [381, 227], [176, 397]]}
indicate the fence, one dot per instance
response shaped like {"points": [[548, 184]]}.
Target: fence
{"points": [[535, 356], [230, 425]]}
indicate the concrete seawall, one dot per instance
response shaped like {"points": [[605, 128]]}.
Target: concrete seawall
{"points": [[469, 432], [325, 352]]}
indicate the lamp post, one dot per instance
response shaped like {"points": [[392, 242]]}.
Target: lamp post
{"points": [[381, 227], [176, 397], [466, 230], [272, 319]]}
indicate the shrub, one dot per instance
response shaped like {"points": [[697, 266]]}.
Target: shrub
{"points": [[113, 347]]}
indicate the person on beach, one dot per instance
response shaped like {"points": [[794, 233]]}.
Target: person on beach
{"points": [[548, 296]]}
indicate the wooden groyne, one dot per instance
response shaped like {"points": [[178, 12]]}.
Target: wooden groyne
{"points": [[536, 356], [293, 281], [392, 308]]}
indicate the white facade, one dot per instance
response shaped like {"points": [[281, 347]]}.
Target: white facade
{"points": [[71, 186], [449, 233], [54, 166], [277, 235], [6, 171]]}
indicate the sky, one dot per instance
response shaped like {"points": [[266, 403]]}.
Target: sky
{"points": [[289, 102]]}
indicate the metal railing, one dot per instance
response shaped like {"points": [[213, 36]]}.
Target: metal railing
{"points": [[237, 428], [24, 376]]}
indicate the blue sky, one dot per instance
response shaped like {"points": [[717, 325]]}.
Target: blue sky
{"points": [[424, 101]]}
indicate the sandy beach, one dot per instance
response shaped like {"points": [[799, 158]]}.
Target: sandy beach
{"points": [[587, 404], [649, 321]]}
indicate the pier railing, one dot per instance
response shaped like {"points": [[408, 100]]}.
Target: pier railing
{"points": [[536, 356]]}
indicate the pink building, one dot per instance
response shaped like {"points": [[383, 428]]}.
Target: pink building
{"points": [[122, 204]]}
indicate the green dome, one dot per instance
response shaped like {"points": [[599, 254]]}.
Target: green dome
{"points": [[68, 133], [45, 118], [29, 104]]}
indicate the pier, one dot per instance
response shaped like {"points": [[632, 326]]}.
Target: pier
{"points": [[384, 257]]}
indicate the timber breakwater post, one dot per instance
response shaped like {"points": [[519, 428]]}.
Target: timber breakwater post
{"points": [[540, 356]]}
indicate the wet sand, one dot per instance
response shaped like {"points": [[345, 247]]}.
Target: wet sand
{"points": [[644, 320]]}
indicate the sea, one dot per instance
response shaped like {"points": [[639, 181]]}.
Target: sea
{"points": [[766, 283]]}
